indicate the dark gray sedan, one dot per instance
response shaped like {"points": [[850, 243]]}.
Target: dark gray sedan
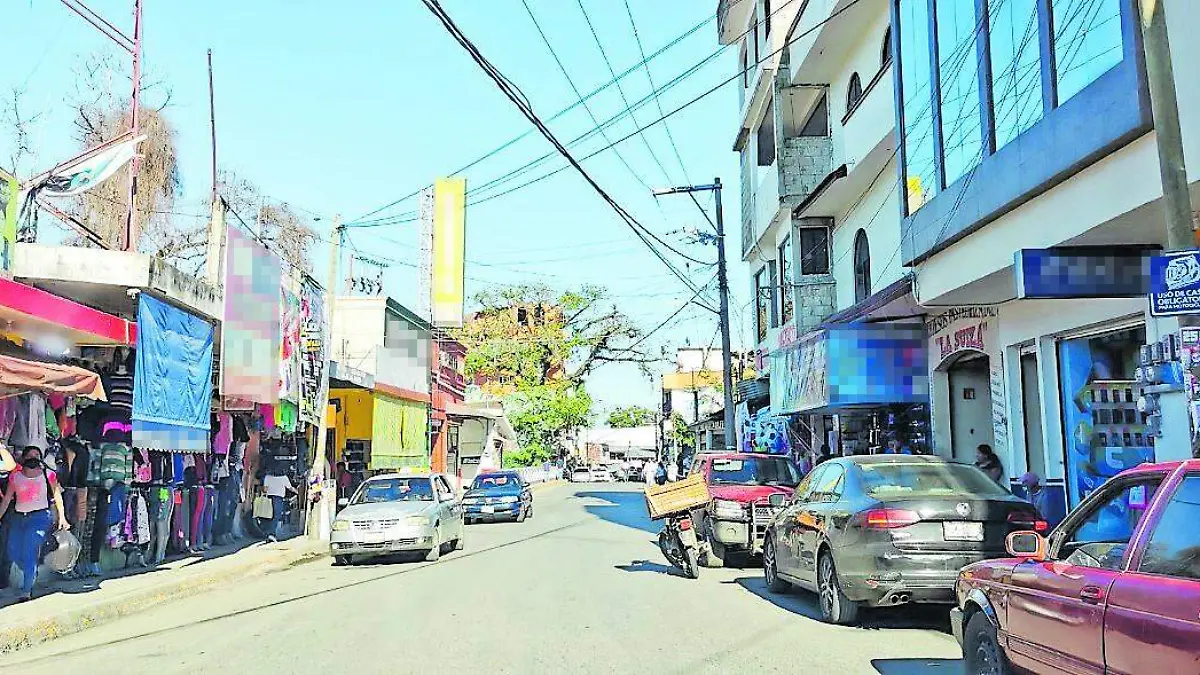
{"points": [[885, 530]]}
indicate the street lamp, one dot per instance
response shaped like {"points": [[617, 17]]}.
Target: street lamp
{"points": [[723, 285]]}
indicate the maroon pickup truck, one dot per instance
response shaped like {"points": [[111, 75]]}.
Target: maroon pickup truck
{"points": [[741, 485], [1115, 588]]}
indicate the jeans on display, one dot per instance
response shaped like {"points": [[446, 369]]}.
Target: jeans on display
{"points": [[198, 505], [26, 534], [227, 491], [160, 523], [277, 508]]}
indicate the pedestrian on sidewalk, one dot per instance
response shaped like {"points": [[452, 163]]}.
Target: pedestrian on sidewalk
{"points": [[989, 463], [36, 498], [649, 471], [277, 485]]}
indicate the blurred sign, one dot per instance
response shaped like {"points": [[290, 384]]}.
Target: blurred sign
{"points": [[1175, 283], [449, 249], [1083, 272]]}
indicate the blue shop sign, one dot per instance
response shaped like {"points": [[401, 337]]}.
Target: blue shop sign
{"points": [[1175, 283]]}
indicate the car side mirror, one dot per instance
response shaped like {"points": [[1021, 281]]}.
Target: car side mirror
{"points": [[343, 502], [1026, 545], [777, 500]]}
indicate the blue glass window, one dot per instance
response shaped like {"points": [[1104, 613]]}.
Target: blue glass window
{"points": [[958, 75], [1016, 67], [915, 74], [1087, 42]]}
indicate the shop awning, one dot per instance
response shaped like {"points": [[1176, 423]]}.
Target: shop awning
{"points": [[23, 375], [851, 366], [40, 316]]}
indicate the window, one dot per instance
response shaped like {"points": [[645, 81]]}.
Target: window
{"points": [[1174, 547], [862, 267], [828, 487], [762, 302], [766, 136], [854, 93], [1016, 67], [785, 281], [885, 52], [817, 124], [814, 250], [745, 66], [920, 184], [766, 17], [958, 75], [1101, 536], [1087, 42]]}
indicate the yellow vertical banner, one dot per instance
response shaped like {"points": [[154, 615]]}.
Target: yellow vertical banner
{"points": [[10, 199], [449, 249]]}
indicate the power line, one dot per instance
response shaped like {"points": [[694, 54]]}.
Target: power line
{"points": [[509, 90]]}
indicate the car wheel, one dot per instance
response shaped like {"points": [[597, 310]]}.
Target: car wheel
{"points": [[836, 608], [981, 649], [341, 560], [714, 557], [436, 552], [771, 568]]}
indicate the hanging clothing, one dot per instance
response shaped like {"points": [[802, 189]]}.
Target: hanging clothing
{"points": [[223, 433], [8, 415], [116, 464], [29, 427], [119, 387], [143, 472], [240, 432]]}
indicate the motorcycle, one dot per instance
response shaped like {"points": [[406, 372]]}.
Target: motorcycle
{"points": [[679, 544]]}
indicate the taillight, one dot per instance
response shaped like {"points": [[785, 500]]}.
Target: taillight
{"points": [[685, 524], [887, 519], [1027, 521]]}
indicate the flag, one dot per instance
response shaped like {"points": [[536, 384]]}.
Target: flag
{"points": [[77, 178]]}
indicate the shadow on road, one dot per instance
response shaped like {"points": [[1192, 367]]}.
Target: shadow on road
{"points": [[918, 666], [627, 509], [647, 566], [798, 601]]}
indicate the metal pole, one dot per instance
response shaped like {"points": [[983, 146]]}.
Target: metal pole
{"points": [[726, 350], [331, 290], [212, 125], [1160, 75], [130, 234]]}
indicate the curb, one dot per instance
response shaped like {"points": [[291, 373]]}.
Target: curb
{"points": [[38, 631]]}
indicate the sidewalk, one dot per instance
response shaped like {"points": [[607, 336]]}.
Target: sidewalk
{"points": [[63, 606]]}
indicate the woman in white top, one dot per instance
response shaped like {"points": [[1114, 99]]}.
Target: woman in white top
{"points": [[36, 498]]}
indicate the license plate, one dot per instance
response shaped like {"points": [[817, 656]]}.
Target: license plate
{"points": [[962, 531], [372, 537], [688, 537], [489, 509]]}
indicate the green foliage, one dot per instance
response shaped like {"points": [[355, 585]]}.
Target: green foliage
{"points": [[679, 433], [541, 415], [625, 417]]}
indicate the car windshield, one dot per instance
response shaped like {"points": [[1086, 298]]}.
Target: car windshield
{"points": [[755, 471], [379, 490], [925, 479], [495, 481]]}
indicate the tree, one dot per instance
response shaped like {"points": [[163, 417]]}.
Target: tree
{"points": [[630, 416], [290, 235], [679, 434], [535, 347]]}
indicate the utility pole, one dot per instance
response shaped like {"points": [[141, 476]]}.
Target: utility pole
{"points": [[130, 239], [1176, 442], [216, 226], [723, 313], [335, 254]]}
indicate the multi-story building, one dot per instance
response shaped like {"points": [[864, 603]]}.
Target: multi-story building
{"points": [[1031, 176], [821, 223]]}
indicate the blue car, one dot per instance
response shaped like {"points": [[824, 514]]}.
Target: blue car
{"points": [[498, 495]]}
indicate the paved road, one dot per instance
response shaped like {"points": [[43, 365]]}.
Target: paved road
{"points": [[580, 588]]}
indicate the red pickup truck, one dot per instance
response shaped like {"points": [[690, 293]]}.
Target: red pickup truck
{"points": [[741, 485], [1115, 588]]}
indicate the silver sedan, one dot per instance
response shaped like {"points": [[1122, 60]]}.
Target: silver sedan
{"points": [[396, 512]]}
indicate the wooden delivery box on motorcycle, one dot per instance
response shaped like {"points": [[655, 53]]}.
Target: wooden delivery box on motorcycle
{"points": [[682, 495]]}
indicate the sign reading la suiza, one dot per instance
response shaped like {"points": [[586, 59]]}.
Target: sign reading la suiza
{"points": [[1175, 283]]}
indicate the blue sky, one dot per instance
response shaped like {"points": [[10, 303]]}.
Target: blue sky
{"points": [[344, 110]]}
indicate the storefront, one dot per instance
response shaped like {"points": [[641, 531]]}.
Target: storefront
{"points": [[855, 387], [965, 378]]}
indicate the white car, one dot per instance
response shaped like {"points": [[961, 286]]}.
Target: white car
{"points": [[398, 512], [581, 475], [601, 475]]}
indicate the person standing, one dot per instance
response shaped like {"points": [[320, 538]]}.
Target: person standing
{"points": [[649, 471], [36, 498], [1037, 495], [277, 486], [896, 447], [989, 463], [672, 472]]}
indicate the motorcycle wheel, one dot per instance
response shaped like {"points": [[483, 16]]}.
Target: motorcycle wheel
{"points": [[691, 566]]}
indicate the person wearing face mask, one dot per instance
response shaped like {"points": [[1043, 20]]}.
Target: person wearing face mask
{"points": [[36, 498]]}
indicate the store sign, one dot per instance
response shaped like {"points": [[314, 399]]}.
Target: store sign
{"points": [[1175, 283], [1083, 272], [962, 329]]}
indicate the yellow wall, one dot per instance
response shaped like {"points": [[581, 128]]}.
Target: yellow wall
{"points": [[355, 417], [688, 381]]}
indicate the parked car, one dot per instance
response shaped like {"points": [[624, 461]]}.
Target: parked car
{"points": [[1115, 588], [741, 485], [398, 512], [581, 474], [600, 474], [498, 495], [885, 530]]}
